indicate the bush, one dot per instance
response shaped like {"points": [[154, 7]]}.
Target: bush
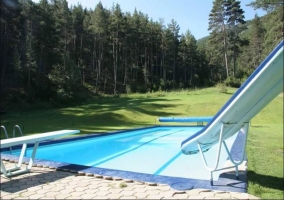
{"points": [[233, 82], [222, 88]]}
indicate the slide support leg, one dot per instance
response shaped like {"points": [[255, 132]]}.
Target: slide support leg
{"points": [[217, 158], [221, 141]]}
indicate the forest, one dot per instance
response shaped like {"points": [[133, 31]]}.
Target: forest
{"points": [[55, 52]]}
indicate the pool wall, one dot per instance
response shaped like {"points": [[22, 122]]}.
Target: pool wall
{"points": [[226, 181]]}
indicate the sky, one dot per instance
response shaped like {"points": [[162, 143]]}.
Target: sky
{"points": [[190, 15]]}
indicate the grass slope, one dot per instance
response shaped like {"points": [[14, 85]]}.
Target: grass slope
{"points": [[103, 114]]}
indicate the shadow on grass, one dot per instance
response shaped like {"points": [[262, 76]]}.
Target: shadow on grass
{"points": [[230, 93], [104, 113], [266, 180]]}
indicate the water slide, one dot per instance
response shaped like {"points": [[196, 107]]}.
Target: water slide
{"points": [[263, 85]]}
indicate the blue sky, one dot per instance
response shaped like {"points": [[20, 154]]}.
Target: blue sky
{"points": [[190, 15]]}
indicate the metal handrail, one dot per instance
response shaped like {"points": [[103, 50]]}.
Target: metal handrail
{"points": [[14, 130], [6, 134], [3, 127]]}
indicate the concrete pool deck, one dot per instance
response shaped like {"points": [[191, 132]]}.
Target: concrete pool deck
{"points": [[46, 183]]}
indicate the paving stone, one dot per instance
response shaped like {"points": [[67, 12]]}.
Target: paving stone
{"points": [[240, 195], [10, 196], [74, 197], [223, 195], [164, 188], [193, 192], [56, 189], [127, 193], [104, 188], [3, 193], [115, 196], [141, 190], [65, 181], [52, 194], [47, 198], [140, 186], [36, 196], [219, 192], [84, 184], [128, 181], [93, 186], [80, 189], [167, 194], [6, 185], [104, 184], [19, 184], [90, 191], [253, 197], [141, 195], [205, 190], [62, 184], [43, 191], [98, 176], [212, 197], [153, 192], [69, 188], [107, 177], [76, 194], [105, 197], [206, 194], [128, 197], [102, 193], [154, 196], [195, 197], [178, 191], [151, 184], [19, 197], [128, 188], [87, 196], [115, 190], [117, 179], [26, 194], [62, 196], [181, 196], [4, 179]]}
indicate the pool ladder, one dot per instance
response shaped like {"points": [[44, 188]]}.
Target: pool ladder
{"points": [[14, 133]]}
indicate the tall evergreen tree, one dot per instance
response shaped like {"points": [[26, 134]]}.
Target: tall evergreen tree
{"points": [[234, 16], [218, 40]]}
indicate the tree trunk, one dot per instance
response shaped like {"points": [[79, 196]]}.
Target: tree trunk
{"points": [[225, 50]]}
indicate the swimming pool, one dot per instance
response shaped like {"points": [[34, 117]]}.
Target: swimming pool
{"points": [[153, 151]]}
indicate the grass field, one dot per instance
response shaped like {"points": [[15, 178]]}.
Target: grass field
{"points": [[103, 114]]}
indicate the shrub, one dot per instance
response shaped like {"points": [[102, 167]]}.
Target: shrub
{"points": [[222, 88], [233, 82]]}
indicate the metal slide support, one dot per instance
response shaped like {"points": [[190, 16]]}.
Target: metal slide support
{"points": [[246, 128], [218, 155], [221, 141], [16, 170]]}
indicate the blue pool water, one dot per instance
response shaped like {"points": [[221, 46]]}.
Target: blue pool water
{"points": [[154, 150]]}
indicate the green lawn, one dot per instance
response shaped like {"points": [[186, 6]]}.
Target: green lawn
{"points": [[103, 114]]}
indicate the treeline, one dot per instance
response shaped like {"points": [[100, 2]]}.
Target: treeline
{"points": [[52, 51]]}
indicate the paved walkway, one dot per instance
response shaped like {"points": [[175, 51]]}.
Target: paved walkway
{"points": [[46, 183]]}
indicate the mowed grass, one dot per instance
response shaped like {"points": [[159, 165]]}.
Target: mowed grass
{"points": [[104, 114]]}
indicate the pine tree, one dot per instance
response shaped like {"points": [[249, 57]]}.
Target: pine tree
{"points": [[234, 16], [218, 40], [98, 27]]}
